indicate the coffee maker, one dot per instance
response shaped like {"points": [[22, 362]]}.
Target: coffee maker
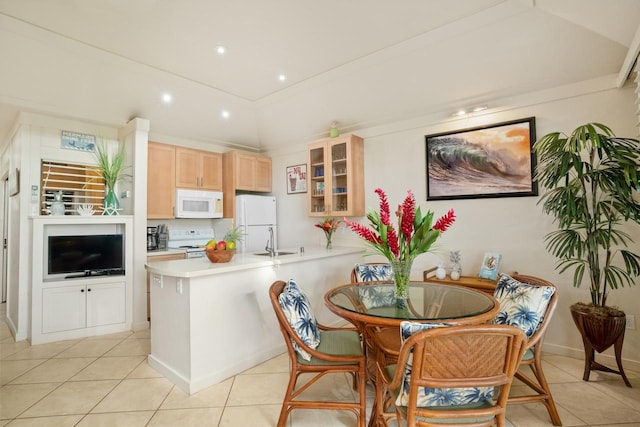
{"points": [[152, 238], [162, 237]]}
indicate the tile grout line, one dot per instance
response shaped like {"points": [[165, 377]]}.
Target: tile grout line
{"points": [[226, 401], [110, 391], [68, 380]]}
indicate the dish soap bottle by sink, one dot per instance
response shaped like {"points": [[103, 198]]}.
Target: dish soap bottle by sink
{"points": [[57, 207]]}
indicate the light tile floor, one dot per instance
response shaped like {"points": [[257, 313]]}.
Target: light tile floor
{"points": [[106, 381]]}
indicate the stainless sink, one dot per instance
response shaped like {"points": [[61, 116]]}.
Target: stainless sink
{"points": [[275, 253]]}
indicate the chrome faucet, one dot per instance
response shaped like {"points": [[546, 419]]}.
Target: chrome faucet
{"points": [[270, 244]]}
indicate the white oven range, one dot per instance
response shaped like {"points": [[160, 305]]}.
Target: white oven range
{"points": [[192, 240]]}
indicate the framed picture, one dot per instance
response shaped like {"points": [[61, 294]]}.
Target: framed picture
{"points": [[77, 141], [482, 162], [296, 179], [14, 182], [490, 265]]}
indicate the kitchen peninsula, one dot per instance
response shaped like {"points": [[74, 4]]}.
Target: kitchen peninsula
{"points": [[212, 321]]}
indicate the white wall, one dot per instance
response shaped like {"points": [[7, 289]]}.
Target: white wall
{"points": [[395, 161]]}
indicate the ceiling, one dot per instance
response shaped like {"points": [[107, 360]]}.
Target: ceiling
{"points": [[361, 63]]}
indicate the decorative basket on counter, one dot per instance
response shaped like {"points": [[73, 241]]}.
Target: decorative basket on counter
{"points": [[220, 255]]}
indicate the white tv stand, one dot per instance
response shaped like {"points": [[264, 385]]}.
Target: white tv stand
{"points": [[71, 308]]}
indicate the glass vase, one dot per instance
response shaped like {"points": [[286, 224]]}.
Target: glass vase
{"points": [[401, 273], [111, 203], [328, 236]]}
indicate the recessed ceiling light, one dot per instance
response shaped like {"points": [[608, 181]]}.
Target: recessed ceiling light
{"points": [[221, 50], [167, 98], [282, 77], [225, 114], [479, 108], [459, 113]]}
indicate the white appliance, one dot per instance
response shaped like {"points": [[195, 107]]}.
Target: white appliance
{"points": [[192, 240], [256, 217], [198, 204]]}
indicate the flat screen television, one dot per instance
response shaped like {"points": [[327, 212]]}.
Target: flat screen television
{"points": [[85, 255]]}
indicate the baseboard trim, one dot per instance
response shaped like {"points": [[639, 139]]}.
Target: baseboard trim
{"points": [[605, 359]]}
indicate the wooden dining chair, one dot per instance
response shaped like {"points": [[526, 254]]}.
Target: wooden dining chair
{"points": [[333, 351], [454, 374], [538, 298]]}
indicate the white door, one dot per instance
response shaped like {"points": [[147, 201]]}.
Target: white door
{"points": [[63, 308]]}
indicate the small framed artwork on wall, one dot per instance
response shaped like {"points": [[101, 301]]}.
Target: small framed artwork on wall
{"points": [[296, 179], [14, 182], [78, 141]]}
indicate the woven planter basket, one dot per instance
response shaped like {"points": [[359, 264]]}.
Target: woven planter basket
{"points": [[220, 255]]}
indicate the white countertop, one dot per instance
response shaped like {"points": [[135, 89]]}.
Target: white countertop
{"points": [[197, 267]]}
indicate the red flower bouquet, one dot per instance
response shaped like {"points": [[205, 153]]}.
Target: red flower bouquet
{"points": [[401, 244], [328, 225]]}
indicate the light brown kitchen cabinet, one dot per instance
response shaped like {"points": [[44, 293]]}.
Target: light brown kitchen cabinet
{"points": [[244, 171], [156, 258], [335, 175], [161, 181], [198, 170]]}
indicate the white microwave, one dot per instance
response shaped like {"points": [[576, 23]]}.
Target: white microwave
{"points": [[198, 204]]}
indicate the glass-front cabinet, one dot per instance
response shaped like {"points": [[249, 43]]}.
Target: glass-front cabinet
{"points": [[336, 177]]}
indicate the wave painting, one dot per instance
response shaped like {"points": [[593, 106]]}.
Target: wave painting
{"points": [[490, 161]]}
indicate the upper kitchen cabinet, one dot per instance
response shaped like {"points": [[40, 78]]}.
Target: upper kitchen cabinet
{"points": [[161, 181], [336, 177], [244, 171], [198, 170]]}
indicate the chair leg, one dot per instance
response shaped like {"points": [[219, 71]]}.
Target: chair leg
{"points": [[362, 389], [284, 412], [548, 401]]}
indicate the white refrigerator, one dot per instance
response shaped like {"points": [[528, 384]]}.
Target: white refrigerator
{"points": [[256, 216]]}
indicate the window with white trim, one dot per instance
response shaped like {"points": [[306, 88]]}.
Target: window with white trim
{"points": [[80, 185]]}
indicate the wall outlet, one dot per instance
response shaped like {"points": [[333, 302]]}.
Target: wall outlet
{"points": [[631, 321]]}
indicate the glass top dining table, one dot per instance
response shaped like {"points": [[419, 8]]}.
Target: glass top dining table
{"points": [[374, 304], [374, 310]]}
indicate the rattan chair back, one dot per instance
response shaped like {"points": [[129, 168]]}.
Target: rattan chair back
{"points": [[459, 357]]}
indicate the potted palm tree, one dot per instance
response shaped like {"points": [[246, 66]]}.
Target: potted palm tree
{"points": [[592, 178]]}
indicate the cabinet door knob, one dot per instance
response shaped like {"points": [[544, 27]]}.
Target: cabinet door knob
{"points": [[81, 290], [89, 290]]}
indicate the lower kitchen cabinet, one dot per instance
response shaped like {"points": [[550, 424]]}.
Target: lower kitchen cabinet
{"points": [[81, 306]]}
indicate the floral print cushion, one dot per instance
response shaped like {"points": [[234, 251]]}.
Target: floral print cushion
{"points": [[372, 296], [429, 397], [297, 310], [521, 305], [373, 272]]}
